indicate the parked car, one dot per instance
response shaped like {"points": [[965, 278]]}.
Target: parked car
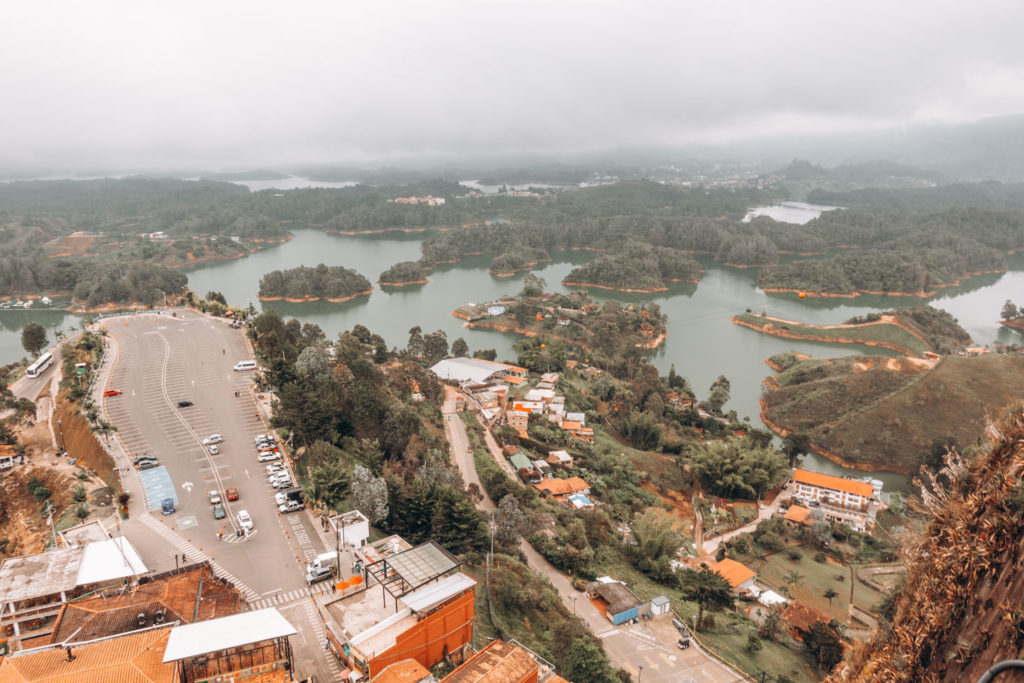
{"points": [[148, 464], [282, 483], [212, 438], [218, 511], [139, 458], [244, 520], [214, 497], [683, 643], [263, 437], [290, 506], [167, 506], [231, 494], [273, 468], [267, 456], [184, 403], [278, 476], [112, 392], [214, 450], [318, 575]]}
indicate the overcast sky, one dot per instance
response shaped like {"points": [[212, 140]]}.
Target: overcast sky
{"points": [[224, 84]]}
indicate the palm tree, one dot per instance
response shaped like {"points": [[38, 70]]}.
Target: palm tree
{"points": [[792, 578], [829, 594]]}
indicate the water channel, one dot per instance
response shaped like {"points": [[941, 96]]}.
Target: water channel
{"points": [[702, 342]]}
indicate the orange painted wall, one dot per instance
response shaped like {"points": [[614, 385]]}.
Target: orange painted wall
{"points": [[425, 642]]}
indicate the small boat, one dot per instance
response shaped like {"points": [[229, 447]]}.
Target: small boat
{"points": [[46, 301], [28, 304]]}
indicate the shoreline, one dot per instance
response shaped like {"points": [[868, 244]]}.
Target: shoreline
{"points": [[616, 289], [263, 242], [402, 284], [525, 269], [1015, 324], [381, 231], [311, 299], [786, 334], [503, 327]]}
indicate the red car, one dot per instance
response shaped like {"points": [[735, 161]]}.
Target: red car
{"points": [[112, 392], [231, 494]]}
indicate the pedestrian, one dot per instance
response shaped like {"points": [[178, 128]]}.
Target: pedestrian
{"points": [[334, 587], [183, 559], [220, 534]]}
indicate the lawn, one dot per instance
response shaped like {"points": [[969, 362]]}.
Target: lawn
{"points": [[868, 333], [817, 578]]}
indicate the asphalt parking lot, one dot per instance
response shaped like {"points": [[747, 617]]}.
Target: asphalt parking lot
{"points": [[160, 360]]}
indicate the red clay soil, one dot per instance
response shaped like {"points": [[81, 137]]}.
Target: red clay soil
{"points": [[75, 244], [679, 503], [21, 524], [81, 443]]}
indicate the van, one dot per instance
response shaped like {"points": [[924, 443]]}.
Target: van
{"points": [[167, 506], [243, 365], [323, 562], [6, 463]]}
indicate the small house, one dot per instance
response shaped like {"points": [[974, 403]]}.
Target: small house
{"points": [[560, 458], [561, 488], [798, 515], [615, 601], [550, 377], [660, 605], [524, 468], [577, 417], [518, 420], [739, 576], [544, 468]]}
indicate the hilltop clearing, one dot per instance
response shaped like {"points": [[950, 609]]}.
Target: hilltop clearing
{"points": [[885, 414]]}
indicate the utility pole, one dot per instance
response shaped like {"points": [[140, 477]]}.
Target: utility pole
{"points": [[60, 426], [49, 520]]}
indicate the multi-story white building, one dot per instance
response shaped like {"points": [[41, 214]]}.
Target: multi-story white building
{"points": [[842, 500]]}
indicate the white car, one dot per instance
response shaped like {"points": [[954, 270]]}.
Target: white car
{"points": [[213, 449], [214, 497], [263, 437], [244, 520], [265, 443], [281, 483], [268, 456], [274, 468], [212, 438], [279, 476], [290, 506], [280, 497]]}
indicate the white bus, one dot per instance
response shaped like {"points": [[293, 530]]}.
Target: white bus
{"points": [[243, 365], [41, 364]]}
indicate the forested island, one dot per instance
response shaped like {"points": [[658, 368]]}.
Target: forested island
{"points": [[330, 283], [512, 262], [913, 332], [637, 267], [404, 273]]}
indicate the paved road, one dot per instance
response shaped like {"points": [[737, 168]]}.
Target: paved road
{"points": [[711, 544], [650, 645], [157, 361]]}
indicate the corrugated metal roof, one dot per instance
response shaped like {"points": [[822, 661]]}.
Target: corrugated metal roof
{"points": [[436, 593], [215, 635]]}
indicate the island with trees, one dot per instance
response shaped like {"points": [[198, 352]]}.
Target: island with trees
{"points": [[330, 283], [636, 267], [913, 331], [517, 261], [1012, 316], [403, 274]]}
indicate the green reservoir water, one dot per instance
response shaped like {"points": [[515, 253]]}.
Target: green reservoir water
{"points": [[702, 341]]}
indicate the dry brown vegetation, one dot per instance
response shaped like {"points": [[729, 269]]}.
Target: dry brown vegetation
{"points": [[962, 607]]}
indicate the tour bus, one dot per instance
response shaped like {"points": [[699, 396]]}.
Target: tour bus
{"points": [[41, 364], [245, 365]]}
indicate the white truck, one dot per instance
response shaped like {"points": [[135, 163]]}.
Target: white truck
{"points": [[320, 567]]}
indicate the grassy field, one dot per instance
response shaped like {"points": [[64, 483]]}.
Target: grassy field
{"points": [[868, 333], [817, 578]]}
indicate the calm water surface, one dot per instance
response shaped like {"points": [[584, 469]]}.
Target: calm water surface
{"points": [[702, 342]]}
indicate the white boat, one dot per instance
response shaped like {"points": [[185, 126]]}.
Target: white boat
{"points": [[46, 301], [28, 304]]}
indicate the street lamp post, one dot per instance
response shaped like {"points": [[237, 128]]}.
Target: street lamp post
{"points": [[574, 604], [640, 676]]}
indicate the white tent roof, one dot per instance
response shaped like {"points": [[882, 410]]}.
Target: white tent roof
{"points": [[466, 369], [215, 635], [107, 560], [436, 593], [769, 598]]}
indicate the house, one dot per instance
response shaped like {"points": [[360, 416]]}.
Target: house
{"points": [[578, 431], [501, 662], [542, 395], [800, 617], [577, 417], [410, 603], [535, 407], [106, 659], [524, 468], [546, 386], [660, 605], [549, 377], [798, 515], [555, 412], [841, 500], [518, 420], [33, 588], [560, 458], [615, 601], [544, 468], [473, 370], [559, 488], [350, 529], [514, 380], [184, 596], [739, 576], [406, 671]]}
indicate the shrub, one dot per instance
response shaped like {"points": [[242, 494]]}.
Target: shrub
{"points": [[820, 557], [753, 643], [82, 512], [794, 555], [769, 541], [78, 494]]}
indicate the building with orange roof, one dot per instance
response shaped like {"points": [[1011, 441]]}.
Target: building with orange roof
{"points": [[848, 501], [798, 514], [563, 487], [518, 420], [407, 671], [740, 576], [134, 658], [498, 662], [578, 431]]}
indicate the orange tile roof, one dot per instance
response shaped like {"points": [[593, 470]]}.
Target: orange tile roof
{"points": [[734, 572], [406, 671], [498, 662], [798, 514], [136, 658], [827, 481], [569, 425], [513, 379], [563, 487]]}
